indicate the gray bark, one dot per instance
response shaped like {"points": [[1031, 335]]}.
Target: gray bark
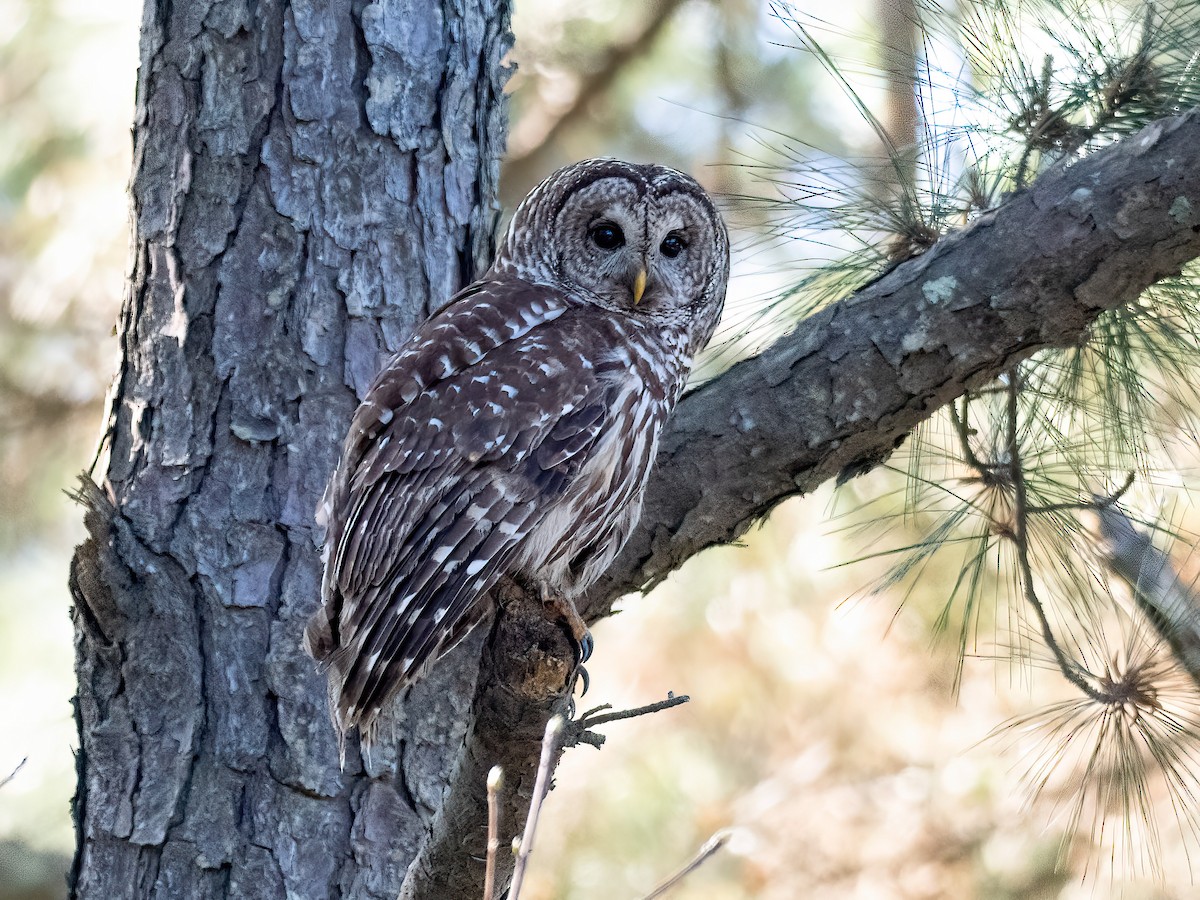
{"points": [[1168, 599], [309, 180]]}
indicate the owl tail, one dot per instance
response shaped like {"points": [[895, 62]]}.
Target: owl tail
{"points": [[320, 645], [318, 636]]}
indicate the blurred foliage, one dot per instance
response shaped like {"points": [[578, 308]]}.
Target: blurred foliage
{"points": [[844, 743], [66, 87], [690, 74], [63, 139]]}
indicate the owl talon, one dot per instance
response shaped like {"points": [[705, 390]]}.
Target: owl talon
{"points": [[581, 674], [585, 648], [565, 609]]}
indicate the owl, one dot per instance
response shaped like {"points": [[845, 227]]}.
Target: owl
{"points": [[514, 433]]}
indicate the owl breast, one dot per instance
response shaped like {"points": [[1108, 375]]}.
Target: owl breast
{"points": [[577, 540]]}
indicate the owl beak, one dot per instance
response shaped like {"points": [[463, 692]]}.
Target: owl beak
{"points": [[639, 286]]}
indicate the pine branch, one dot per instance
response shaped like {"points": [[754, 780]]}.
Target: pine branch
{"points": [[833, 399], [836, 396], [1070, 669]]}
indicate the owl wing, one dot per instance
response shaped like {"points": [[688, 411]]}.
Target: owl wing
{"points": [[449, 463]]}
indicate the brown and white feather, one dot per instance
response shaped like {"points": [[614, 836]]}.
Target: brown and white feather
{"points": [[513, 434]]}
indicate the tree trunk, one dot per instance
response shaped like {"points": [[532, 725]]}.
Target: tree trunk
{"points": [[310, 180]]}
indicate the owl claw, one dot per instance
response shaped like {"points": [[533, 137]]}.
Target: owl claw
{"points": [[581, 674], [585, 647], [565, 610]]}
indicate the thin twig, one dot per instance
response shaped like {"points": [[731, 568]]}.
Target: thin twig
{"points": [[579, 731], [540, 786], [1070, 669], [495, 776], [711, 846], [962, 425], [1096, 504], [13, 774]]}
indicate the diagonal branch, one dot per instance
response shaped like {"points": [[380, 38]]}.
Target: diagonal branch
{"points": [[834, 398], [1171, 603]]}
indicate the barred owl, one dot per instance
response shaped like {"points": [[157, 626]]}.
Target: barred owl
{"points": [[514, 433]]}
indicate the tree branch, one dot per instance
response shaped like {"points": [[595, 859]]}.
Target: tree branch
{"points": [[579, 730], [833, 399], [1169, 603], [837, 395]]}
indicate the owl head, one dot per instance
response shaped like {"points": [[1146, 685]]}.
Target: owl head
{"points": [[641, 240]]}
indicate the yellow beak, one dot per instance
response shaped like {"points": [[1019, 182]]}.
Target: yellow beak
{"points": [[639, 286]]}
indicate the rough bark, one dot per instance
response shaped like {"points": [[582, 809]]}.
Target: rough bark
{"points": [[524, 679], [310, 179]]}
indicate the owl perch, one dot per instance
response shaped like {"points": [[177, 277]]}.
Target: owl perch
{"points": [[525, 679]]}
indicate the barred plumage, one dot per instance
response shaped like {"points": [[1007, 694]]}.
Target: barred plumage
{"points": [[515, 431]]}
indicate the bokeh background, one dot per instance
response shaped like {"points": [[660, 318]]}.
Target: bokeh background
{"points": [[825, 730]]}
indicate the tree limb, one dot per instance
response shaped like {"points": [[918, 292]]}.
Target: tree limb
{"points": [[836, 396], [1168, 601]]}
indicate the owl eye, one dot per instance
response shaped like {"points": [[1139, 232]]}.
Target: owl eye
{"points": [[606, 236], [673, 244]]}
